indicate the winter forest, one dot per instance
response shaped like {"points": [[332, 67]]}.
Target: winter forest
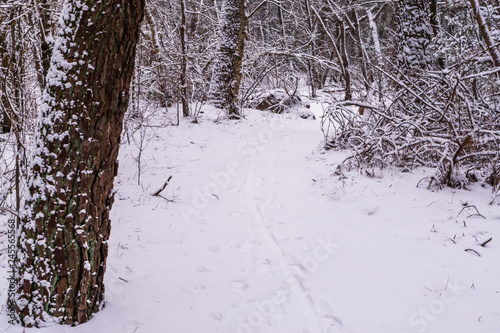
{"points": [[236, 166]]}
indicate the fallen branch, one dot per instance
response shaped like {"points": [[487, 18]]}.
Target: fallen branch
{"points": [[471, 215], [473, 251], [157, 193], [484, 243]]}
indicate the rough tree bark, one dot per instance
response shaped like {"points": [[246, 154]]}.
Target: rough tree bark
{"points": [[415, 33], [226, 74], [64, 233]]}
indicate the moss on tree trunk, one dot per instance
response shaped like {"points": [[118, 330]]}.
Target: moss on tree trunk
{"points": [[63, 237]]}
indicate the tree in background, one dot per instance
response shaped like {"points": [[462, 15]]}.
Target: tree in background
{"points": [[63, 241], [415, 33], [226, 70], [484, 30]]}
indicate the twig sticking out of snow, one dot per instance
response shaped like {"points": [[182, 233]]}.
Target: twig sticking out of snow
{"points": [[484, 243], [157, 193], [472, 215], [473, 251]]}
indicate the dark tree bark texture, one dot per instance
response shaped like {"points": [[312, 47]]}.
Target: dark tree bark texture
{"points": [[415, 33], [64, 233], [183, 76], [5, 121], [226, 75]]}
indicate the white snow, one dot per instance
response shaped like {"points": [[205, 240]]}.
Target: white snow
{"points": [[261, 236]]}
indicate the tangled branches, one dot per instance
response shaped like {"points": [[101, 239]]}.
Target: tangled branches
{"points": [[446, 120]]}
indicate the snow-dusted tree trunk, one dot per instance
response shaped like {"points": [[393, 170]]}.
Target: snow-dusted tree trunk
{"points": [[415, 33], [64, 233], [485, 33], [375, 37], [226, 72], [379, 59]]}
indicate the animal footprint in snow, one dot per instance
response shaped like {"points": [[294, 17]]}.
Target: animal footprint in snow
{"points": [[203, 269], [239, 284], [213, 249], [234, 215], [217, 316], [372, 211], [264, 199], [244, 248]]}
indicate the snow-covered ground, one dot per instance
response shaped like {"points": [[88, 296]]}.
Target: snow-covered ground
{"points": [[254, 233]]}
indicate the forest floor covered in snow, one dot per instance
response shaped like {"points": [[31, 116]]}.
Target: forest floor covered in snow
{"points": [[255, 233]]}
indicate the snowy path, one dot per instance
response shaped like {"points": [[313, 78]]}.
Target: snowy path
{"points": [[262, 238], [267, 204]]}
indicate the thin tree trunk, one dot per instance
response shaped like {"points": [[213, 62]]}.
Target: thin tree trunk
{"points": [[345, 62], [311, 70], [485, 33], [183, 79], [362, 51], [434, 17], [340, 54], [44, 26], [6, 122], [378, 50], [238, 61], [64, 233]]}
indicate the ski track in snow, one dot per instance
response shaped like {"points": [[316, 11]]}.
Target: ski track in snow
{"points": [[253, 198]]}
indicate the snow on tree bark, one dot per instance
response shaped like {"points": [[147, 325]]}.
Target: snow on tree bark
{"points": [[226, 72], [64, 232], [415, 33]]}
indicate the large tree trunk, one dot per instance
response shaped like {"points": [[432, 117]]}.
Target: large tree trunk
{"points": [[63, 237], [226, 75]]}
